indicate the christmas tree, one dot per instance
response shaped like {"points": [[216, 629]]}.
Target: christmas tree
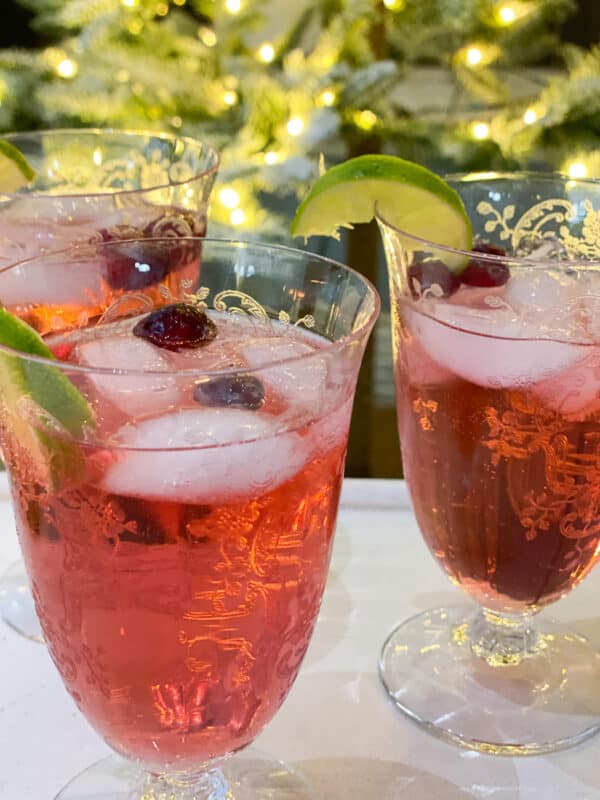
{"points": [[450, 83]]}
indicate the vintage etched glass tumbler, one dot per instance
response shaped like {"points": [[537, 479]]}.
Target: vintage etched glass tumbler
{"points": [[175, 472], [92, 185], [497, 366]]}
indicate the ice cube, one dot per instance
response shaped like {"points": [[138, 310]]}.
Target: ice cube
{"points": [[489, 348], [574, 393], [205, 456], [332, 430], [538, 291], [302, 383], [135, 395], [48, 282]]}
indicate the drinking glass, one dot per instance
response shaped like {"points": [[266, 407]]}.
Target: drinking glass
{"points": [[94, 184], [175, 476], [497, 368]]}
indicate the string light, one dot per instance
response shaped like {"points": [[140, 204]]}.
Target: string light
{"points": [[207, 36], [480, 130], [394, 5], [473, 56], [233, 6], [176, 122], [237, 217], [530, 116], [365, 119], [577, 169], [230, 97], [295, 126], [66, 68], [507, 15], [271, 157], [266, 53], [179, 2], [327, 97], [229, 197], [130, 3], [162, 9]]}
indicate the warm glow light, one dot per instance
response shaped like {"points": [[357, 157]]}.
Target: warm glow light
{"points": [[162, 9], [130, 3], [237, 217], [207, 36], [507, 14], [295, 126], [97, 157], [266, 53], [230, 97], [66, 68], [530, 116], [365, 119], [473, 56], [176, 122], [233, 6], [179, 2], [271, 157], [577, 170], [394, 5], [229, 197], [327, 98], [480, 130]]}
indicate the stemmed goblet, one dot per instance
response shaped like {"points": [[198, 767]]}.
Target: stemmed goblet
{"points": [[175, 471], [497, 366]]}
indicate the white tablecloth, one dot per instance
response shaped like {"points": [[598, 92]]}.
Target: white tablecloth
{"points": [[337, 725]]}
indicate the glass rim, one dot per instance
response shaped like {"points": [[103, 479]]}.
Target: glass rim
{"points": [[128, 132], [233, 244], [517, 261]]}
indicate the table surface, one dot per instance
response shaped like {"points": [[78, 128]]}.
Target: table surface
{"points": [[337, 726]]}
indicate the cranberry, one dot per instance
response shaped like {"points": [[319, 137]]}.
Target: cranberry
{"points": [[486, 271], [177, 326], [237, 391], [136, 265], [431, 273]]}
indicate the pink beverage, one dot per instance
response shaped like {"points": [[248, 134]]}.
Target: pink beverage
{"points": [[178, 574], [499, 418], [101, 185]]}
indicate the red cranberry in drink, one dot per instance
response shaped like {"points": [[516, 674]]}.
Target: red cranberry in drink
{"points": [[424, 276], [486, 272], [234, 391], [136, 265], [176, 327]]}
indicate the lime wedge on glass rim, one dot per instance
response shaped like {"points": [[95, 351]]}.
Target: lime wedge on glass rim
{"points": [[44, 411], [407, 195], [15, 171]]}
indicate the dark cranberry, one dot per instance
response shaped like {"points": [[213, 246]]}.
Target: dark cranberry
{"points": [[237, 391], [175, 327], [136, 265], [424, 275], [486, 271]]}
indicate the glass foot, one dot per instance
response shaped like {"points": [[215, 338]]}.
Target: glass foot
{"points": [[17, 608], [545, 700], [248, 775]]}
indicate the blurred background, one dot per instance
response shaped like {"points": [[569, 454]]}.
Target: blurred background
{"points": [[457, 85]]}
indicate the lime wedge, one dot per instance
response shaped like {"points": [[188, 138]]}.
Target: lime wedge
{"points": [[15, 170], [407, 195], [45, 411]]}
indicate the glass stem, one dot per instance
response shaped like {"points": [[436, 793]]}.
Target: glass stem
{"points": [[209, 785], [503, 639]]}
